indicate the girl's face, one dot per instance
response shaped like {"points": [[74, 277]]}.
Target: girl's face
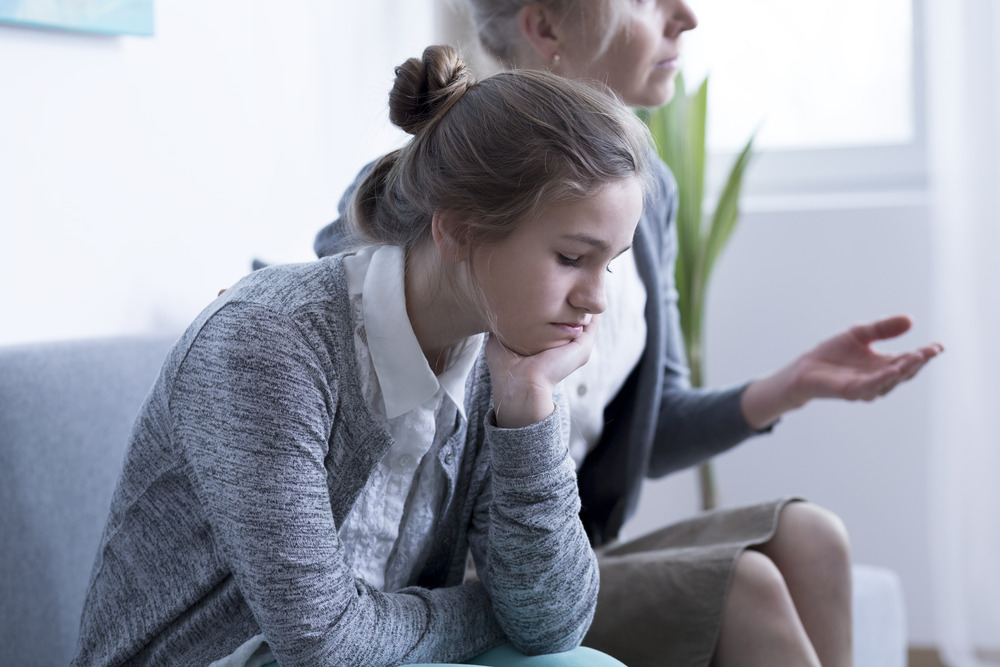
{"points": [[543, 283], [642, 58]]}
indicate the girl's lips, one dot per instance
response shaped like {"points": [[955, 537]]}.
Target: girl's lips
{"points": [[670, 63], [572, 329]]}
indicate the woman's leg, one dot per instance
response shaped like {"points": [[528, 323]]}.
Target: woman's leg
{"points": [[791, 602], [812, 551], [663, 595], [760, 626]]}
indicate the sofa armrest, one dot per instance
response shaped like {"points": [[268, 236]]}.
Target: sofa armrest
{"points": [[66, 410]]}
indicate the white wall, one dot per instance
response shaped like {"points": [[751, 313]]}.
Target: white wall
{"points": [[140, 176]]}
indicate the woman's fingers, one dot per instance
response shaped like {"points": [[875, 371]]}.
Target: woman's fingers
{"points": [[884, 329]]}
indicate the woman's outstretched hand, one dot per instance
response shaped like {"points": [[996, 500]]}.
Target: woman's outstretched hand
{"points": [[844, 366], [523, 384]]}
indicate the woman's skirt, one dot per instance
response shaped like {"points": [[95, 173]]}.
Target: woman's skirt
{"points": [[662, 595]]}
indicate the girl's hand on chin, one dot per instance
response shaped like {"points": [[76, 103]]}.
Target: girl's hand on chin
{"points": [[523, 384]]}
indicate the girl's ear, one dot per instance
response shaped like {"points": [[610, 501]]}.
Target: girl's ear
{"points": [[539, 25], [449, 234]]}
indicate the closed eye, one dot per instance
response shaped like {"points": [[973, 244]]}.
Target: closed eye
{"points": [[569, 261]]}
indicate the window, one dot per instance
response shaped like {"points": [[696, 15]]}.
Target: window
{"points": [[831, 86]]}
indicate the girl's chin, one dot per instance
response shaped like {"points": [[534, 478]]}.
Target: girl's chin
{"points": [[529, 348]]}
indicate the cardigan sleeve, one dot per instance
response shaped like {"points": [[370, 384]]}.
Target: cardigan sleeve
{"points": [[254, 410], [530, 547]]}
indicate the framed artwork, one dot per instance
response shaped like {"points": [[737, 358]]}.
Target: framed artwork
{"points": [[107, 17]]}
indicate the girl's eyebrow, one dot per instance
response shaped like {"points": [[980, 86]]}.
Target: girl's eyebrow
{"points": [[595, 242]]}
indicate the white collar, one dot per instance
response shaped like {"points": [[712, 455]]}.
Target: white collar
{"points": [[405, 377]]}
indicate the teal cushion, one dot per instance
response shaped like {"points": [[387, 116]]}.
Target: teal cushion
{"points": [[506, 655]]}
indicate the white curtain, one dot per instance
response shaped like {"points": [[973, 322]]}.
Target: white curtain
{"points": [[963, 63]]}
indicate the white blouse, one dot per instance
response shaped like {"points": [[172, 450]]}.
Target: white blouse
{"points": [[387, 534]]}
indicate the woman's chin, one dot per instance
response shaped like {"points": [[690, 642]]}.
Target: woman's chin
{"points": [[652, 96]]}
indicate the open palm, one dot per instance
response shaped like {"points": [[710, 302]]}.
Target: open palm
{"points": [[845, 366]]}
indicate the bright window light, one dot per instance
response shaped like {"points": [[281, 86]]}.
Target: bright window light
{"points": [[809, 74]]}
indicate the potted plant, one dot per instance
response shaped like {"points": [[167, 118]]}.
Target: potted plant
{"points": [[679, 131]]}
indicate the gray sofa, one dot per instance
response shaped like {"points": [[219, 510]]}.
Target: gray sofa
{"points": [[66, 409]]}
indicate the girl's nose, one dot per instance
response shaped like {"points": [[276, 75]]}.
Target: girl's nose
{"points": [[590, 294]]}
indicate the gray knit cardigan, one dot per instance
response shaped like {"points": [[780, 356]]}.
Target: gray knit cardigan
{"points": [[247, 455]]}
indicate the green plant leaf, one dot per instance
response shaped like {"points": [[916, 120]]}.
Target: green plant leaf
{"points": [[697, 113], [688, 166], [727, 210]]}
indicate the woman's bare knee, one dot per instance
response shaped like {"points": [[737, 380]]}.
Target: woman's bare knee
{"points": [[818, 525], [812, 536], [760, 625]]}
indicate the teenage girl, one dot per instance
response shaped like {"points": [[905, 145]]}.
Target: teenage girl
{"points": [[327, 441], [763, 585]]}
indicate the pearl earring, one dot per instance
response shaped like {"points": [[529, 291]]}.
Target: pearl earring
{"points": [[555, 60]]}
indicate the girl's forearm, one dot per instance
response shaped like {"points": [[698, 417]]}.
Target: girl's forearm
{"points": [[539, 566]]}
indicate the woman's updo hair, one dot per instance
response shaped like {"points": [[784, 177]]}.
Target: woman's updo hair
{"points": [[495, 153]]}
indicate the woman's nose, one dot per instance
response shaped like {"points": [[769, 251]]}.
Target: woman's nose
{"points": [[681, 19]]}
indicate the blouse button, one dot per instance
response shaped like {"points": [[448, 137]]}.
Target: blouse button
{"points": [[581, 390], [448, 458]]}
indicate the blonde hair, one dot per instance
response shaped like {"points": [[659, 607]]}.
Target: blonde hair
{"points": [[499, 34], [494, 153]]}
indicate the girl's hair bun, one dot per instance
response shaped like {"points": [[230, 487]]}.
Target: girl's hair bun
{"points": [[426, 88]]}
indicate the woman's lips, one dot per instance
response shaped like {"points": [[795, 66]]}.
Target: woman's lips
{"points": [[669, 63]]}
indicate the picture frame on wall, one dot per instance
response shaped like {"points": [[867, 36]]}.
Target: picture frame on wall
{"points": [[105, 17]]}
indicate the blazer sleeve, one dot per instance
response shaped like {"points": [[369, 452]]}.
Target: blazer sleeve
{"points": [[339, 235]]}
